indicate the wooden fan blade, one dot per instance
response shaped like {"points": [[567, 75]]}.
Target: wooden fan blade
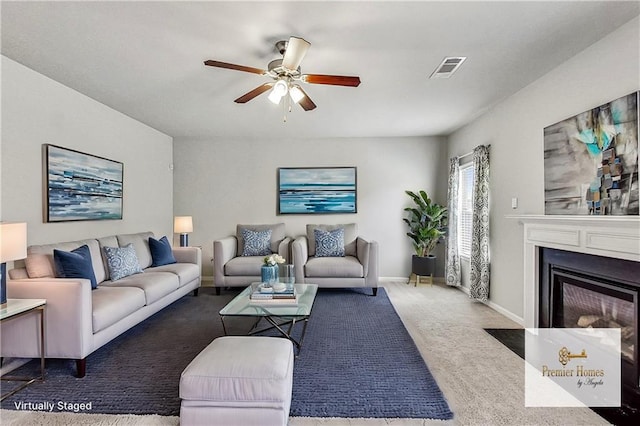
{"points": [[306, 103], [296, 49], [234, 67], [255, 92], [335, 80]]}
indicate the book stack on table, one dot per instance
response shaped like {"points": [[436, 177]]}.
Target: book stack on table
{"points": [[261, 292]]}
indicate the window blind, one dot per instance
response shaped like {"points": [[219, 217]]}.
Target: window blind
{"points": [[465, 209]]}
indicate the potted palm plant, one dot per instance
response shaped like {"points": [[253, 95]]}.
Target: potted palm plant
{"points": [[427, 223]]}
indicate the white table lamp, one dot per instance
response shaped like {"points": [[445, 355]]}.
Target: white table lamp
{"points": [[183, 225], [13, 246]]}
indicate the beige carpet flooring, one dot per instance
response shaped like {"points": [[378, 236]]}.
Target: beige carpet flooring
{"points": [[482, 380]]}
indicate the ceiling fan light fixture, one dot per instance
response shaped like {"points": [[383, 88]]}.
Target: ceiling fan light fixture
{"points": [[279, 90], [296, 93], [285, 74]]}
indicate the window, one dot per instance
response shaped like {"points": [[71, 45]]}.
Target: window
{"points": [[465, 209]]}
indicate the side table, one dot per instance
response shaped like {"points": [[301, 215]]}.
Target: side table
{"points": [[16, 308]]}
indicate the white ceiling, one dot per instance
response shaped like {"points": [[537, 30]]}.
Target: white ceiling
{"points": [[145, 59]]}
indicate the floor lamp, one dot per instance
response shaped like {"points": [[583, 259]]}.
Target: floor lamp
{"points": [[183, 225], [13, 246]]}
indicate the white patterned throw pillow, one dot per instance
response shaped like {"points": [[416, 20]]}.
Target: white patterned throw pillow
{"points": [[122, 261], [256, 243], [329, 243]]}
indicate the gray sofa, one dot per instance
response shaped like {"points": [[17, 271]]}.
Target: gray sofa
{"points": [[232, 269], [357, 268], [79, 320]]}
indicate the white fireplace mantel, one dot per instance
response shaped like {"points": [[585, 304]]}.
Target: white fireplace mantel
{"points": [[609, 236]]}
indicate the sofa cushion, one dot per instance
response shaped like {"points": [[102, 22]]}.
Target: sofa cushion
{"points": [[350, 237], [330, 267], [329, 243], [244, 266], [186, 272], [156, 285], [37, 255], [111, 241], [39, 266], [122, 262], [161, 253], [75, 264], [256, 243], [140, 243], [277, 235], [111, 304]]}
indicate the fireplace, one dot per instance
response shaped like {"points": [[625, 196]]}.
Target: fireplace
{"points": [[580, 291], [586, 270]]}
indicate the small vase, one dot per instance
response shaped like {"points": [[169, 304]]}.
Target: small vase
{"points": [[269, 274], [286, 274]]}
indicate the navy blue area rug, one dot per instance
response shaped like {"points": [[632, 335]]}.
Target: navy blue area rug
{"points": [[357, 360]]}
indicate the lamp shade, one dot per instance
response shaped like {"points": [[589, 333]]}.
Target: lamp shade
{"points": [[296, 93], [13, 241], [182, 224], [279, 90]]}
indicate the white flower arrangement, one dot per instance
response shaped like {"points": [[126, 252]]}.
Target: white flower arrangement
{"points": [[273, 260]]}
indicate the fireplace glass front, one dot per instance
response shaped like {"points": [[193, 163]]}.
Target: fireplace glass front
{"points": [[587, 304]]}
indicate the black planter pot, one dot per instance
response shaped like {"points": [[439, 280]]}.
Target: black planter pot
{"points": [[423, 266]]}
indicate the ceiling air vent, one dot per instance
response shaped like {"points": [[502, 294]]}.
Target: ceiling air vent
{"points": [[448, 66]]}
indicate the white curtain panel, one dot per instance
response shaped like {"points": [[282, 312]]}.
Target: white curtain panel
{"points": [[452, 272], [480, 262]]}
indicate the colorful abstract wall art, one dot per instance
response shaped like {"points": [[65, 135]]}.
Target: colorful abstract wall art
{"points": [[317, 190], [591, 161], [81, 186]]}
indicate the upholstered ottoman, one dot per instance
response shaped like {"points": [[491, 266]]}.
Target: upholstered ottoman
{"points": [[238, 380]]}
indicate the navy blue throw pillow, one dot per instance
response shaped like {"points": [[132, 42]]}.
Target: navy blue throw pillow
{"points": [[75, 264], [161, 253]]}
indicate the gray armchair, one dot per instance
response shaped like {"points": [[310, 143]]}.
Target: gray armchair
{"points": [[357, 268], [232, 268]]}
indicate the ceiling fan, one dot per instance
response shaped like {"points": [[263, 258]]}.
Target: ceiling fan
{"points": [[287, 76]]}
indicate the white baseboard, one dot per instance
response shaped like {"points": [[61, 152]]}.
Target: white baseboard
{"points": [[499, 309], [207, 281], [210, 281], [513, 317], [392, 279]]}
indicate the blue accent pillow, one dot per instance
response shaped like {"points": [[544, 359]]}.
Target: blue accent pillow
{"points": [[161, 253], [122, 261], [75, 264], [329, 243], [256, 243]]}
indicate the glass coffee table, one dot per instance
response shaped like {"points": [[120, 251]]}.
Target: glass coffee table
{"points": [[281, 316]]}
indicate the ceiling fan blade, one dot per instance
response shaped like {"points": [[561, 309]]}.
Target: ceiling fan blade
{"points": [[296, 49], [234, 67], [335, 80], [255, 92], [306, 103]]}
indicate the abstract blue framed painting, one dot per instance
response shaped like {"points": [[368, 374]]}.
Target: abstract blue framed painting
{"points": [[317, 190], [81, 186], [591, 161]]}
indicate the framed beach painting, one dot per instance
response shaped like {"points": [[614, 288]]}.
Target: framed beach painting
{"points": [[317, 190], [81, 186]]}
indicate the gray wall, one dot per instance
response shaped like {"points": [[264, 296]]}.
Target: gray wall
{"points": [[605, 71], [37, 110], [224, 182]]}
